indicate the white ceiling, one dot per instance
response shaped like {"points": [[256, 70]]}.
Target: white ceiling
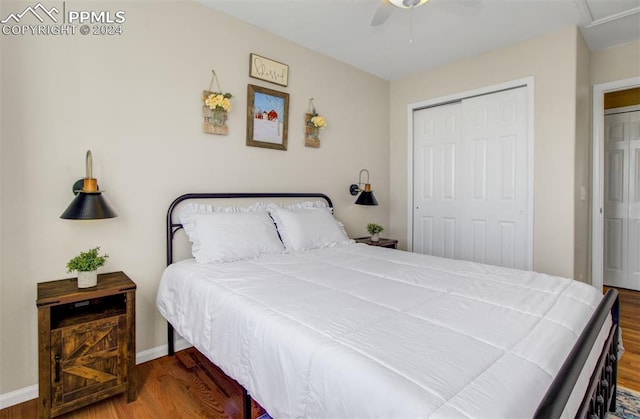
{"points": [[437, 33]]}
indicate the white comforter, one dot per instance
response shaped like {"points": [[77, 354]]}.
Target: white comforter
{"points": [[360, 331]]}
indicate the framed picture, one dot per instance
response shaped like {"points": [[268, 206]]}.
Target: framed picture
{"points": [[267, 118], [268, 70]]}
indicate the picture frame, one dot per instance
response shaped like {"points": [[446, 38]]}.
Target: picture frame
{"points": [[266, 69], [267, 118]]}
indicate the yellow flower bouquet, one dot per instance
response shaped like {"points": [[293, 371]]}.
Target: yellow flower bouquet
{"points": [[219, 101], [318, 121]]}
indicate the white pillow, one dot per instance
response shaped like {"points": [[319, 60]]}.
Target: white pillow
{"points": [[307, 228], [230, 236]]}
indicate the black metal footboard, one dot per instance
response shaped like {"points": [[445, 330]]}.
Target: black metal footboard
{"points": [[601, 393]]}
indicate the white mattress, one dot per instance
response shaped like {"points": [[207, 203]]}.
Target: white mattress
{"points": [[362, 331]]}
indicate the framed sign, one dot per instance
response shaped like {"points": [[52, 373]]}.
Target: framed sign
{"points": [[268, 70], [267, 118]]}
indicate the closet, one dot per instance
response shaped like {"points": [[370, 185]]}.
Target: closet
{"points": [[471, 187]]}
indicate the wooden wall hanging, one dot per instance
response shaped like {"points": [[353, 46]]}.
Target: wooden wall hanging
{"points": [[215, 106], [313, 123]]}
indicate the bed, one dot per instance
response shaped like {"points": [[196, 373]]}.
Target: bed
{"points": [[331, 328]]}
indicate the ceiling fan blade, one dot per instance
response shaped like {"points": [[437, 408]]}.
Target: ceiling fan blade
{"points": [[382, 13]]}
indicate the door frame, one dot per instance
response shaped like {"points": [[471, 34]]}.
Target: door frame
{"points": [[528, 83], [597, 175]]}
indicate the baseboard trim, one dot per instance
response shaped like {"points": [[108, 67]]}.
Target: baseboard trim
{"points": [[18, 396], [160, 351], [31, 392]]}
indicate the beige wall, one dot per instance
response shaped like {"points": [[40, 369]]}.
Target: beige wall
{"points": [[582, 201], [551, 60], [617, 63], [134, 100]]}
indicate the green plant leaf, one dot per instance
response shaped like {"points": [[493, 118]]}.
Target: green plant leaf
{"points": [[374, 228], [87, 261]]}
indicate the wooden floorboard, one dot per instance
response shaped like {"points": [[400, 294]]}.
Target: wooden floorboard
{"points": [[189, 386], [629, 364]]}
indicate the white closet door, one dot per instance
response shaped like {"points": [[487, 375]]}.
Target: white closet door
{"points": [[438, 207], [471, 180], [616, 207], [622, 200], [495, 181], [634, 201]]}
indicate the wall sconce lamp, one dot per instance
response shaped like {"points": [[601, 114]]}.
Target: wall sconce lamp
{"points": [[89, 204], [366, 197]]}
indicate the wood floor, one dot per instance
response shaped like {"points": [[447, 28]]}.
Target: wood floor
{"points": [[189, 386], [184, 386], [629, 364]]}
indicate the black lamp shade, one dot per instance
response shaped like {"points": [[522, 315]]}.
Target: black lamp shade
{"points": [[88, 206], [367, 198]]}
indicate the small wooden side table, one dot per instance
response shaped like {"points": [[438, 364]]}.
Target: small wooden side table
{"points": [[86, 342], [391, 243]]}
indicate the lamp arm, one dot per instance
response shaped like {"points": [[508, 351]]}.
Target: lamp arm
{"points": [[360, 182], [355, 188], [89, 165]]}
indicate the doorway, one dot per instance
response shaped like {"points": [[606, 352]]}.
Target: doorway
{"points": [[600, 249]]}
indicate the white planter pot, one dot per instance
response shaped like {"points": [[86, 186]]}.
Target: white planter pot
{"points": [[87, 279], [375, 237]]}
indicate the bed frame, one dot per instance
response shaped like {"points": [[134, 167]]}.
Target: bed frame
{"points": [[600, 396]]}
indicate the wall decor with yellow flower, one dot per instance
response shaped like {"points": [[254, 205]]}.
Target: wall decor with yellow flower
{"points": [[215, 106], [313, 123]]}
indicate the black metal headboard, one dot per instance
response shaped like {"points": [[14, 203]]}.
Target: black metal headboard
{"points": [[173, 227]]}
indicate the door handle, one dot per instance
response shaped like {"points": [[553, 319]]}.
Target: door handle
{"points": [[57, 358]]}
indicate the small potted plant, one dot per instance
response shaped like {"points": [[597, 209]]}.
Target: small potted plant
{"points": [[375, 230], [86, 264]]}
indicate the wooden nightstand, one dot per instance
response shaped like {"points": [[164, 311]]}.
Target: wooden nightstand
{"points": [[86, 342], [391, 243]]}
